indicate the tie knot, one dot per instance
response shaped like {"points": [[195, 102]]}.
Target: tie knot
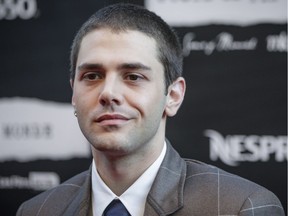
{"points": [[116, 208]]}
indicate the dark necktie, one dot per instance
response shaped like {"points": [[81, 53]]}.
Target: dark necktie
{"points": [[116, 208]]}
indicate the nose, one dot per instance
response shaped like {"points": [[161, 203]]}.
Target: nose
{"points": [[110, 92]]}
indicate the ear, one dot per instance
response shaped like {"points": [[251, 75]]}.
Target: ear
{"points": [[175, 96], [72, 85]]}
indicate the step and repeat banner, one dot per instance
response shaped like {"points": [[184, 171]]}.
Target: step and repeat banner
{"points": [[235, 111]]}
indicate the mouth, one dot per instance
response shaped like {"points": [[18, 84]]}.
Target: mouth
{"points": [[111, 119]]}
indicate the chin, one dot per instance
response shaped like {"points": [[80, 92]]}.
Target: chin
{"points": [[113, 147]]}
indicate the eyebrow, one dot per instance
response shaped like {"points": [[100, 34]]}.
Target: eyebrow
{"points": [[134, 66], [124, 66], [88, 66]]}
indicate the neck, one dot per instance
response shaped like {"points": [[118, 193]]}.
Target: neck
{"points": [[120, 172]]}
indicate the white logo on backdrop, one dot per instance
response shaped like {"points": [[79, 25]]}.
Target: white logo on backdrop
{"points": [[233, 149], [277, 43], [203, 12], [35, 181], [32, 129], [22, 9], [223, 42]]}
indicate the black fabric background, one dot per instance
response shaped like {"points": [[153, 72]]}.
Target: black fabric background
{"points": [[232, 92]]}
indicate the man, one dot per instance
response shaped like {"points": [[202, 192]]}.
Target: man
{"points": [[126, 66]]}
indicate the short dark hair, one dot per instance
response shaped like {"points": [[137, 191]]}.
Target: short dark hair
{"points": [[123, 17]]}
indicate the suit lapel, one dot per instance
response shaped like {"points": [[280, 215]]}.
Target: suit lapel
{"points": [[81, 204], [166, 194]]}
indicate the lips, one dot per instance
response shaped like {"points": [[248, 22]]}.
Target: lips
{"points": [[111, 118]]}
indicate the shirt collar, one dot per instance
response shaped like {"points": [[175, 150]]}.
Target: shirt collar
{"points": [[134, 198]]}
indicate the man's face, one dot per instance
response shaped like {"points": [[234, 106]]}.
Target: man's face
{"points": [[119, 91]]}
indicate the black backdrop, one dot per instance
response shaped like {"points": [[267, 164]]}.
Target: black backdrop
{"points": [[233, 116]]}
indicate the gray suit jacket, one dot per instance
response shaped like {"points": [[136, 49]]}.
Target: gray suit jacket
{"points": [[182, 187]]}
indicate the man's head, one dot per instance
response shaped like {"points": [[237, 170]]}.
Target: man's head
{"points": [[122, 59], [123, 17]]}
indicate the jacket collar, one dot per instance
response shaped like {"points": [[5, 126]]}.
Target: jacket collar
{"points": [[166, 194], [81, 204]]}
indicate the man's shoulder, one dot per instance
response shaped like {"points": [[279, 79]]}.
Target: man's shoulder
{"points": [[69, 186], [198, 169], [78, 179], [63, 193], [231, 192]]}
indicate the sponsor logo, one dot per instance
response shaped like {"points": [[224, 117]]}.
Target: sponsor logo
{"points": [[233, 149], [223, 42], [203, 12], [22, 9], [32, 129], [35, 181], [277, 43]]}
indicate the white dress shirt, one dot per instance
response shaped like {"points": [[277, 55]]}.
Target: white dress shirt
{"points": [[134, 198]]}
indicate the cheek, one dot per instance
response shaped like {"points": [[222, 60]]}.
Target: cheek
{"points": [[82, 97], [82, 105], [149, 104]]}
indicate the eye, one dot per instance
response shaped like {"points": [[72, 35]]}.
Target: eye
{"points": [[134, 77], [92, 76]]}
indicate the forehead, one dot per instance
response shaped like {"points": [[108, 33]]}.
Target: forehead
{"points": [[130, 44]]}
